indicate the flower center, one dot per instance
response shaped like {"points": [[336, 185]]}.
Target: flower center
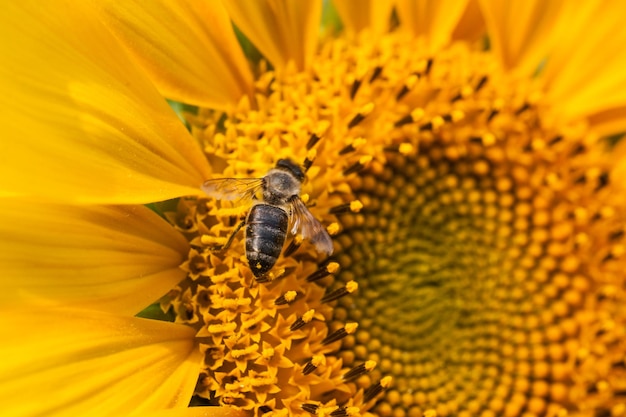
{"points": [[457, 208]]}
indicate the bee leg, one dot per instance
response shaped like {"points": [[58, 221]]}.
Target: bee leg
{"points": [[230, 238]]}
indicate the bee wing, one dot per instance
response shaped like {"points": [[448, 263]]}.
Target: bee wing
{"points": [[233, 188], [309, 227]]}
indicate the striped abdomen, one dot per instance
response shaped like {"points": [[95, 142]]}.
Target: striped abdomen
{"points": [[265, 235]]}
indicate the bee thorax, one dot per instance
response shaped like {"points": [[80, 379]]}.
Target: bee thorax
{"points": [[279, 187]]}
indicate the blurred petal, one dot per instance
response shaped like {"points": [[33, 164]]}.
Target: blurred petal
{"points": [[188, 48], [609, 122], [435, 20], [77, 114], [70, 362], [585, 73], [471, 25], [282, 30], [357, 15], [117, 259], [201, 412], [521, 31]]}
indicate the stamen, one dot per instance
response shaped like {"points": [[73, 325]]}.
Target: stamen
{"points": [[301, 321], [555, 140], [356, 84], [357, 371], [377, 71], [353, 146], [293, 246], [286, 298], [354, 206], [331, 268], [358, 166], [345, 412], [373, 391], [313, 364], [522, 109], [322, 128], [312, 141], [408, 86], [618, 234], [426, 126], [350, 287], [309, 159], [603, 181], [339, 334], [429, 66], [412, 117], [492, 114], [361, 115], [481, 83], [310, 408]]}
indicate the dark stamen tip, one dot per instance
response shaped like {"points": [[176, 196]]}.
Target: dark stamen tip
{"points": [[355, 88], [293, 246], [377, 71], [358, 118], [310, 408], [286, 298], [522, 109], [403, 121], [349, 288], [481, 83], [426, 126], [492, 114], [403, 92], [312, 141], [359, 370]]}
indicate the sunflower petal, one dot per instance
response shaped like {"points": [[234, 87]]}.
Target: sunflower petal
{"points": [[609, 122], [116, 259], [201, 412], [521, 31], [435, 20], [188, 48], [471, 25], [585, 74], [283, 30], [76, 113], [69, 362], [357, 15]]}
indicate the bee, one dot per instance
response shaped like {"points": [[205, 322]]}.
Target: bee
{"points": [[277, 212]]}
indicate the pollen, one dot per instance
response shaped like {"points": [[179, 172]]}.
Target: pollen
{"points": [[479, 246]]}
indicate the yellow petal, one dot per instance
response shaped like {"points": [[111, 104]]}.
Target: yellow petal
{"points": [[282, 30], [116, 259], [201, 412], [435, 20], [357, 15], [188, 48], [609, 122], [471, 25], [70, 362], [520, 31], [80, 124], [585, 72]]}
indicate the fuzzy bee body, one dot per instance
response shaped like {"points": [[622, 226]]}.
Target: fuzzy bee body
{"points": [[266, 232], [276, 212]]}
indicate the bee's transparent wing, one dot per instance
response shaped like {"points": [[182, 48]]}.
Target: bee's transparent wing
{"points": [[309, 227], [233, 188]]}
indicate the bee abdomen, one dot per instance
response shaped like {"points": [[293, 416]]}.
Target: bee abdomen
{"points": [[265, 235]]}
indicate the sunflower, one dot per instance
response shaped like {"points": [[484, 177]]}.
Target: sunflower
{"points": [[464, 156]]}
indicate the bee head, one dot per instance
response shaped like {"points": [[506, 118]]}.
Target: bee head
{"points": [[291, 167]]}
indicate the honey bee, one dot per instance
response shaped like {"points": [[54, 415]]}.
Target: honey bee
{"points": [[279, 211]]}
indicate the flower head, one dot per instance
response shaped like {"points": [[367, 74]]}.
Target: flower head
{"points": [[474, 203]]}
